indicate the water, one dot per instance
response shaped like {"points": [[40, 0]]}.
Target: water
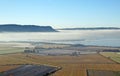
{"points": [[87, 37]]}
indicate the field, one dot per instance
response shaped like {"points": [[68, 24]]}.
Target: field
{"points": [[11, 56], [115, 56], [6, 48], [102, 73], [71, 65]]}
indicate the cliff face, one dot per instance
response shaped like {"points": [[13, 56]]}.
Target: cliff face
{"points": [[25, 28]]}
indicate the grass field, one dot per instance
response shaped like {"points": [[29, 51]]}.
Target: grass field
{"points": [[112, 55], [71, 65], [11, 50], [6, 48], [102, 73]]}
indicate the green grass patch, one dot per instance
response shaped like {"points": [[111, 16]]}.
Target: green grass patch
{"points": [[5, 50], [115, 56]]}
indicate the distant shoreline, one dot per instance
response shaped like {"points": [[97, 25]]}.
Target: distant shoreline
{"points": [[92, 28]]}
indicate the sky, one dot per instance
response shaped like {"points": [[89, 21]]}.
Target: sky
{"points": [[61, 13]]}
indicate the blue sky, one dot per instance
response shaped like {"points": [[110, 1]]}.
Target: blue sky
{"points": [[61, 13]]}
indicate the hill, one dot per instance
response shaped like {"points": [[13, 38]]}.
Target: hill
{"points": [[25, 28], [92, 28]]}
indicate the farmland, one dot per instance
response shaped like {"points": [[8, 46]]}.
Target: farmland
{"points": [[102, 73], [12, 56], [71, 65], [31, 70], [6, 48], [115, 56]]}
